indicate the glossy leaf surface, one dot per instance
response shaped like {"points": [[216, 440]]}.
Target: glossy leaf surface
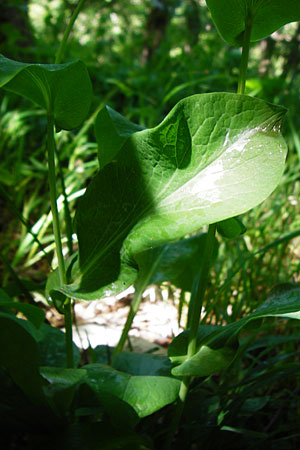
{"points": [[213, 157], [286, 304], [63, 90], [145, 394], [267, 16]]}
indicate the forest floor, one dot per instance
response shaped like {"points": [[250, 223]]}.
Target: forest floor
{"points": [[100, 322]]}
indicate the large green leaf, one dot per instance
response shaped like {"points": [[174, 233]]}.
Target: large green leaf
{"points": [[145, 394], [285, 304], [63, 90], [213, 157], [266, 16]]}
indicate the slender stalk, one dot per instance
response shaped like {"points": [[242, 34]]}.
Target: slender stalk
{"points": [[200, 283], [199, 290], [181, 304], [245, 57], [63, 43], [53, 196], [196, 302], [58, 59], [57, 236], [68, 219], [68, 308], [134, 306]]}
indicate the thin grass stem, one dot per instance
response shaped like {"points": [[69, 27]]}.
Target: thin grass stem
{"points": [[57, 236], [62, 47], [245, 57]]}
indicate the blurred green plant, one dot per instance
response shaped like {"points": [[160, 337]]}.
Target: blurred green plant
{"points": [[146, 194]]}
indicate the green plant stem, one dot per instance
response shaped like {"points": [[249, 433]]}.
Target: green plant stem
{"points": [[57, 236], [68, 219], [53, 196], [68, 308], [134, 306], [199, 290], [63, 43], [196, 302], [245, 57], [58, 59]]}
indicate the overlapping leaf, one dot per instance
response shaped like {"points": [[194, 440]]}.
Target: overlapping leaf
{"points": [[63, 90], [265, 16], [178, 262], [19, 354], [213, 157], [33, 313], [217, 343], [145, 394]]}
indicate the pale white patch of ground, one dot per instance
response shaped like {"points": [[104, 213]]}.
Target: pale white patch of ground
{"points": [[100, 322]]}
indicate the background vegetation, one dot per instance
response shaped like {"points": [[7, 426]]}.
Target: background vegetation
{"points": [[143, 56]]}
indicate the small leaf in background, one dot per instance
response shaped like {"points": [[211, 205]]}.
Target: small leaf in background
{"points": [[142, 364], [145, 394], [231, 228], [267, 16], [100, 354], [214, 156], [112, 130], [177, 350], [206, 362], [63, 90]]}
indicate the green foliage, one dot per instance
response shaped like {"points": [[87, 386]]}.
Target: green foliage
{"points": [[215, 155], [177, 262], [263, 16], [213, 345], [149, 197], [231, 228], [63, 90], [144, 393], [34, 314]]}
